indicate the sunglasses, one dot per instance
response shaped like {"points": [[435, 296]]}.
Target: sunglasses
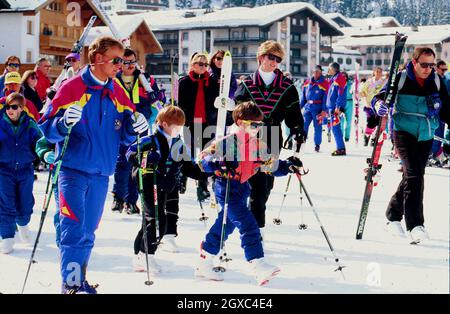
{"points": [[201, 64], [253, 124], [116, 60], [219, 58], [14, 65], [274, 58], [71, 60], [125, 62], [33, 77], [425, 65], [443, 69], [13, 107]]}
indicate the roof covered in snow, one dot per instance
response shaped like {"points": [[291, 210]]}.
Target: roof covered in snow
{"points": [[425, 35], [345, 51], [375, 22], [237, 17], [26, 5], [339, 19]]}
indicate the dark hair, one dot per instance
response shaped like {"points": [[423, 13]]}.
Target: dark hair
{"points": [[440, 62], [335, 66], [129, 52], [319, 67], [26, 75], [247, 110], [9, 58], [423, 51], [212, 65]]}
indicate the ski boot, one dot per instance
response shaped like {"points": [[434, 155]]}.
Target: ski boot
{"points": [[132, 209], [263, 271], [339, 152], [85, 288], [140, 264], [7, 245], [317, 148], [205, 267], [418, 234], [169, 244], [117, 206]]}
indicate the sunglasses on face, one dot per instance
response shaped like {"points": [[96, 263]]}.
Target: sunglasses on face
{"points": [[14, 65], [71, 60], [274, 58], [443, 69], [116, 60], [201, 64], [13, 107], [425, 65], [253, 124], [219, 58], [129, 62], [33, 77]]}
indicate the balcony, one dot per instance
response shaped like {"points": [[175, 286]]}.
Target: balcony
{"points": [[239, 39], [168, 41], [299, 59], [302, 74], [51, 42], [325, 48], [299, 43], [244, 56]]}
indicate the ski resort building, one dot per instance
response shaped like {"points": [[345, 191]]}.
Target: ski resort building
{"points": [[300, 27], [131, 6]]}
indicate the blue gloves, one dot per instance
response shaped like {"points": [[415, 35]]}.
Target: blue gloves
{"points": [[380, 108]]}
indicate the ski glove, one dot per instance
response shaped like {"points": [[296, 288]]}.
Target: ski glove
{"points": [[294, 164], [226, 167], [49, 157], [140, 124], [72, 115], [150, 158], [381, 108]]}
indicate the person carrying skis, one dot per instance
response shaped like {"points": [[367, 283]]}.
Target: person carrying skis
{"points": [[18, 136], [278, 99], [197, 92], [336, 101], [124, 189], [312, 100], [215, 67], [368, 90], [234, 160], [421, 99], [95, 114], [164, 154]]}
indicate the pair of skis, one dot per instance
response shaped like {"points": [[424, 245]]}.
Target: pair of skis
{"points": [[380, 136]]}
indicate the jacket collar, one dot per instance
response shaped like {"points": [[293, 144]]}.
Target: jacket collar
{"points": [[91, 83]]}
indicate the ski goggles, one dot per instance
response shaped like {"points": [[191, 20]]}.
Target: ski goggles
{"points": [[425, 65], [253, 124], [14, 65], [274, 58], [128, 62], [13, 107]]}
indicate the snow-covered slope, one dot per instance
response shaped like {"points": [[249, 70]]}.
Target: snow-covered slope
{"points": [[377, 264]]}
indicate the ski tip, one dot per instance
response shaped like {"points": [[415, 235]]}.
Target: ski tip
{"points": [[227, 54]]}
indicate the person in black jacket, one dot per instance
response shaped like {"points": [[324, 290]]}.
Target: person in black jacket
{"points": [[197, 92], [29, 82], [277, 97], [165, 155]]}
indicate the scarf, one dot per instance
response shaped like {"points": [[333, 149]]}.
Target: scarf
{"points": [[202, 81]]}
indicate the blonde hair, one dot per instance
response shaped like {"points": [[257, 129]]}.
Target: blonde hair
{"points": [[271, 46], [16, 97], [171, 115], [197, 57], [101, 45]]}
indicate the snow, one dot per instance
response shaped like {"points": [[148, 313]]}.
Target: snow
{"points": [[345, 51], [25, 4], [377, 22], [232, 17], [426, 35], [379, 263]]}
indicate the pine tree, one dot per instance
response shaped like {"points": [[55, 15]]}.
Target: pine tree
{"points": [[183, 4], [165, 3]]}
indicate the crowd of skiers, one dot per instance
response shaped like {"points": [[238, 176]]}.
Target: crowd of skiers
{"points": [[100, 120]]}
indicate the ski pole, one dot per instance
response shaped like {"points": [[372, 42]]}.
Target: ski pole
{"points": [[302, 225], [47, 198], [203, 216], [277, 220], [336, 259], [223, 256], [148, 282], [442, 140]]}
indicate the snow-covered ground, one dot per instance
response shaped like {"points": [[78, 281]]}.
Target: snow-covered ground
{"points": [[379, 263]]}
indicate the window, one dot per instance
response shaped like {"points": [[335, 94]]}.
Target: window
{"points": [[29, 56], [369, 50], [235, 35], [387, 50], [244, 67], [369, 62], [348, 61], [235, 51], [185, 67], [295, 68], [185, 51], [378, 50], [302, 22], [340, 60], [296, 52], [185, 36], [378, 62], [244, 50], [235, 66], [30, 27], [387, 61]]}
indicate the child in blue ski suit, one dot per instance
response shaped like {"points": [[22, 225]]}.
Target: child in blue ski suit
{"points": [[243, 158], [165, 154], [18, 136]]}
